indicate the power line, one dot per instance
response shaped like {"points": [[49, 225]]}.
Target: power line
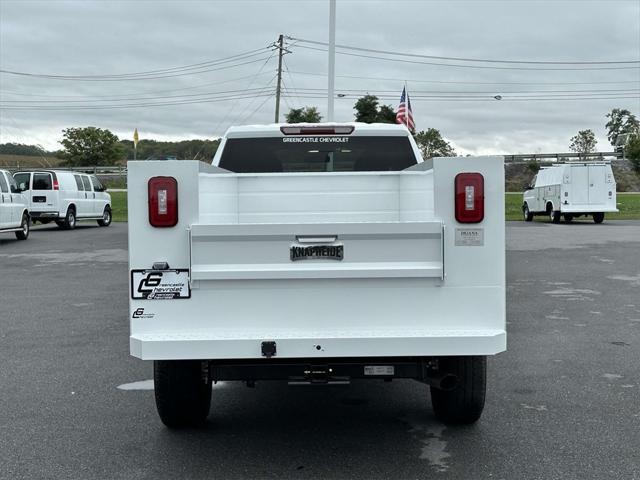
{"points": [[474, 92], [164, 97], [244, 120], [89, 97], [179, 74], [193, 66], [285, 98], [286, 68], [457, 65], [135, 105], [462, 59], [447, 82], [486, 99], [232, 108]]}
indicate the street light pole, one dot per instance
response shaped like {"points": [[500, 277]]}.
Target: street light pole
{"points": [[332, 58]]}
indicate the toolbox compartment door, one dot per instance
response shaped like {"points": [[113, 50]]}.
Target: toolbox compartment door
{"points": [[308, 251]]}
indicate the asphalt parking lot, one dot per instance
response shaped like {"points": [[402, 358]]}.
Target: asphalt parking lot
{"points": [[563, 401]]}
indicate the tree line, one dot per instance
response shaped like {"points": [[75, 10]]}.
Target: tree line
{"points": [[623, 132], [95, 146]]}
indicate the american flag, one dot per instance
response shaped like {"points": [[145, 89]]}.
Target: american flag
{"points": [[404, 115]]}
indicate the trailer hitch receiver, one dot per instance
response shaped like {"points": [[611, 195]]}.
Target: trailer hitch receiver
{"points": [[268, 349]]}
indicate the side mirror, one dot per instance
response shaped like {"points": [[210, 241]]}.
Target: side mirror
{"points": [[527, 187], [14, 189]]}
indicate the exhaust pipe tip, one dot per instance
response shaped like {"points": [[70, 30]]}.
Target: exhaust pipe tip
{"points": [[446, 381]]}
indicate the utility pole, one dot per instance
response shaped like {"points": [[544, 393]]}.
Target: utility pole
{"points": [[280, 54], [332, 58]]}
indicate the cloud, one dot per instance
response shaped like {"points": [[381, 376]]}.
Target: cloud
{"points": [[115, 37]]}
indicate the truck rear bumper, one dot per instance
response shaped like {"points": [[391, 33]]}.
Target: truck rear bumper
{"points": [[379, 343]]}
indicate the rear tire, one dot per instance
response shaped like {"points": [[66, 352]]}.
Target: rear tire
{"points": [[25, 225], [69, 222], [183, 392], [554, 216], [598, 217], [465, 403], [528, 216], [105, 221]]}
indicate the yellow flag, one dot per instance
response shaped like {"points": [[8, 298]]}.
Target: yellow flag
{"points": [[135, 138]]}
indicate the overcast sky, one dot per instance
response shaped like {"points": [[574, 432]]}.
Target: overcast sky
{"points": [[88, 38]]}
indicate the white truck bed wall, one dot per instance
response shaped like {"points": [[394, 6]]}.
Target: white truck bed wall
{"points": [[404, 287], [316, 198]]}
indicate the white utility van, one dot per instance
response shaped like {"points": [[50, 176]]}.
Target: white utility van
{"points": [[65, 197], [571, 190], [317, 254], [14, 213]]}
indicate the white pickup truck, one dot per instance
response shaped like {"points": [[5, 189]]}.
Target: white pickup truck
{"points": [[315, 254]]}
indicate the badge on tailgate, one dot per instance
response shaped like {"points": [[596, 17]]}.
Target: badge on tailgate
{"points": [[160, 284]]}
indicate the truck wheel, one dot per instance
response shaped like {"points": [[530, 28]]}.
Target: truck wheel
{"points": [[598, 217], [568, 217], [528, 216], [105, 221], [183, 392], [24, 233], [69, 222], [554, 216], [463, 404]]}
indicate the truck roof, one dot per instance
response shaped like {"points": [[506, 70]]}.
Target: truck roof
{"points": [[360, 129]]}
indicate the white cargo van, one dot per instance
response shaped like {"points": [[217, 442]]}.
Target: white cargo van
{"points": [[317, 254], [571, 190], [14, 213], [65, 197]]}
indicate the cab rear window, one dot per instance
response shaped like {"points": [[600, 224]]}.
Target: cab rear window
{"points": [[317, 154]]}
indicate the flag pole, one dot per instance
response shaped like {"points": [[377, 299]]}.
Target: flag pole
{"points": [[406, 110]]}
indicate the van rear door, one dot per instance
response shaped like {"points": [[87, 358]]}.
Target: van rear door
{"points": [[579, 185], [597, 186], [43, 196]]}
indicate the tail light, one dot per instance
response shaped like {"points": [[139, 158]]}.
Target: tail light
{"points": [[469, 188], [56, 185], [163, 201]]}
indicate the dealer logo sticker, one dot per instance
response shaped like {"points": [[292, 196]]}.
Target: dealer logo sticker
{"points": [[139, 313], [160, 284]]}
